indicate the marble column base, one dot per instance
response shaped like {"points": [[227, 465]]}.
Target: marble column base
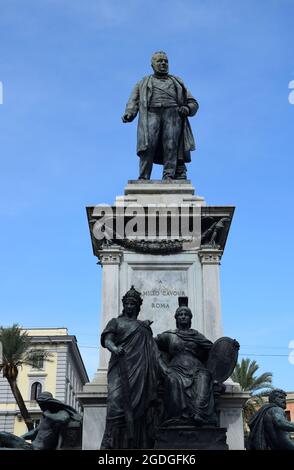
{"points": [[229, 407], [93, 400]]}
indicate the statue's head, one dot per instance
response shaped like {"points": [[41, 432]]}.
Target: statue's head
{"points": [[44, 400], [159, 63], [278, 396], [183, 314], [45, 396], [183, 317], [132, 302]]}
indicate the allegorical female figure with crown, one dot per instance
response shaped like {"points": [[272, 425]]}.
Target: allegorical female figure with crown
{"points": [[188, 384], [132, 378], [193, 370]]}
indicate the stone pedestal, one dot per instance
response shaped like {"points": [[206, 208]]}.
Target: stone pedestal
{"points": [[191, 437], [162, 269], [229, 407], [93, 400]]}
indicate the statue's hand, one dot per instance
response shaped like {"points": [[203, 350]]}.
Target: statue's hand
{"points": [[118, 351], [127, 117], [184, 111]]}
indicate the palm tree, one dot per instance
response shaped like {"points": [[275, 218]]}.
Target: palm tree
{"points": [[16, 352], [244, 375], [258, 386]]}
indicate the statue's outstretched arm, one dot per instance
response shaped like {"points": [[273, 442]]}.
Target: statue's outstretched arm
{"points": [[281, 421], [30, 435]]}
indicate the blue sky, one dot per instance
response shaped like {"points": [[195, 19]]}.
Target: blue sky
{"points": [[67, 68]]}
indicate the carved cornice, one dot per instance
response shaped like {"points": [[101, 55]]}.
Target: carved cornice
{"points": [[210, 256], [214, 231], [110, 256], [215, 223], [153, 247]]}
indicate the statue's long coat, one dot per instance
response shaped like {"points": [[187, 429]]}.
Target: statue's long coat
{"points": [[140, 100]]}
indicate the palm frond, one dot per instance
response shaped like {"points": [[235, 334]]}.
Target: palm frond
{"points": [[33, 357], [258, 386], [15, 343], [17, 352], [244, 374]]}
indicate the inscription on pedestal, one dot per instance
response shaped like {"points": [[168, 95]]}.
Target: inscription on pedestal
{"points": [[160, 291], [189, 437]]}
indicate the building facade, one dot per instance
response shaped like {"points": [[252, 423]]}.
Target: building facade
{"points": [[63, 374], [290, 406]]}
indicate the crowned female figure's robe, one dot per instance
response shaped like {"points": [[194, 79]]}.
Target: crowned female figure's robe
{"points": [[132, 383]]}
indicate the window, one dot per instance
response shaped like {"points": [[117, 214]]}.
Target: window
{"points": [[36, 389], [288, 415]]}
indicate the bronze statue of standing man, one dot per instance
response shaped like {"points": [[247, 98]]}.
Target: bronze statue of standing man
{"points": [[164, 134]]}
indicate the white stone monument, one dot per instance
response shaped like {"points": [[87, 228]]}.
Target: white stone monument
{"points": [[186, 263]]}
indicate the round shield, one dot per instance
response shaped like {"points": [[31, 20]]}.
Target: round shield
{"points": [[223, 358]]}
